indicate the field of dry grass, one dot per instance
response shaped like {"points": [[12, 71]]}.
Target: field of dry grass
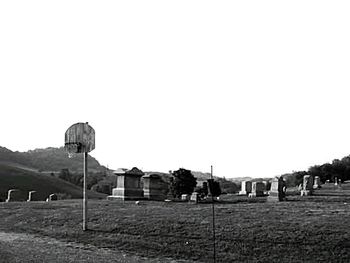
{"points": [[308, 229]]}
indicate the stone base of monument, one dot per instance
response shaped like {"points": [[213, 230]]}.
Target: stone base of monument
{"points": [[305, 192], [256, 194], [126, 194], [243, 193], [275, 197], [154, 194]]}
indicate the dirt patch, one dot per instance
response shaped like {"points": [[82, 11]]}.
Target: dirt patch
{"points": [[19, 247]]}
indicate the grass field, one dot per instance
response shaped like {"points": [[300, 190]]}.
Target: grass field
{"points": [[24, 180], [308, 229]]}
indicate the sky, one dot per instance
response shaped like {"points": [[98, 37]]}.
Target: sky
{"points": [[254, 88]]}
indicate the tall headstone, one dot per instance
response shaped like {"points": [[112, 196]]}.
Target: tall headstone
{"points": [[278, 190], [194, 197], [258, 189], [33, 196], [154, 188], [317, 182], [14, 195], [128, 185], [307, 185], [246, 188]]}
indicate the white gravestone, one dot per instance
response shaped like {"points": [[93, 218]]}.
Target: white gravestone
{"points": [[246, 188], [278, 190], [307, 185]]}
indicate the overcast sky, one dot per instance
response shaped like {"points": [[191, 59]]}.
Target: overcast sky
{"points": [[254, 88]]}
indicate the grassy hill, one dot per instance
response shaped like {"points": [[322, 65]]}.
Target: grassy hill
{"points": [[17, 178], [49, 159]]}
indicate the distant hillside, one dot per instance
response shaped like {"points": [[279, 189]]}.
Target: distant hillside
{"points": [[16, 178], [49, 159], [202, 176]]}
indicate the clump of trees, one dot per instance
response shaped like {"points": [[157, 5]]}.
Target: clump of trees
{"points": [[182, 182], [339, 169], [77, 178]]}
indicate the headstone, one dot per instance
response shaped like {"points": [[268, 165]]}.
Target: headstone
{"points": [[33, 196], [14, 195], [194, 197], [154, 188], [52, 197], [278, 190], [307, 185], [258, 189], [317, 182], [246, 188], [128, 185], [185, 197]]}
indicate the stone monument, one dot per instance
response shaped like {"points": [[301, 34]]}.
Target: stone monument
{"points": [[194, 197], [185, 197], [128, 185], [14, 195], [246, 188], [52, 197], [317, 182], [307, 185], [278, 190], [154, 188], [33, 196], [258, 189]]}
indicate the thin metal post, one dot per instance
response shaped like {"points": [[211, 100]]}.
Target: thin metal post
{"points": [[212, 199], [84, 192]]}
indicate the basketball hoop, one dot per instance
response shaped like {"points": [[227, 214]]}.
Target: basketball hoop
{"points": [[80, 138]]}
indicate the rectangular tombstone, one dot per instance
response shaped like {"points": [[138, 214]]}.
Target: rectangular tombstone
{"points": [[154, 188], [307, 185], [14, 195], [185, 197], [194, 197], [33, 196], [317, 182], [258, 189], [278, 190], [246, 188], [128, 185], [52, 197]]}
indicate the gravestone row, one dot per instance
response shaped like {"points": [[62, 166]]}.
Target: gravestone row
{"points": [[16, 195]]}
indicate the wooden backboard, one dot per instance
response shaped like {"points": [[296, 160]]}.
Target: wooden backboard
{"points": [[79, 138]]}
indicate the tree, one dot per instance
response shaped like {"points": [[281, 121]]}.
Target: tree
{"points": [[182, 182]]}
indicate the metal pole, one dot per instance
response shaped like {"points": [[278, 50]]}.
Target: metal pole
{"points": [[212, 199], [84, 192]]}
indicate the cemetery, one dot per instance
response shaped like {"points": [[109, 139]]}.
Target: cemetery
{"points": [[158, 217], [312, 224]]}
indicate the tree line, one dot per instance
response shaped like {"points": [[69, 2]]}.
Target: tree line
{"points": [[338, 168]]}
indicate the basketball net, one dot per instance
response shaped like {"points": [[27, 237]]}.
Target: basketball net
{"points": [[71, 155], [72, 149]]}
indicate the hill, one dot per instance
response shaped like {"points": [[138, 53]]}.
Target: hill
{"points": [[17, 178], [49, 159]]}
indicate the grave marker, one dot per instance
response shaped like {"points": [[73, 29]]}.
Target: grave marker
{"points": [[14, 195], [307, 185]]}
